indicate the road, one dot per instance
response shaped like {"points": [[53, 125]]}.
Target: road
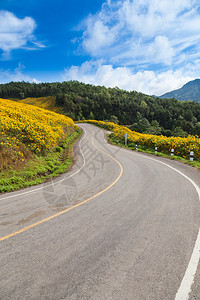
{"points": [[119, 225]]}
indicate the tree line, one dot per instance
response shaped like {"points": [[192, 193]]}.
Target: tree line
{"points": [[137, 111]]}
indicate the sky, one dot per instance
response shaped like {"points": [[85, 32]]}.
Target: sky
{"points": [[151, 46]]}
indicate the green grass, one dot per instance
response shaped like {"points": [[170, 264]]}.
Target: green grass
{"points": [[41, 168], [131, 146]]}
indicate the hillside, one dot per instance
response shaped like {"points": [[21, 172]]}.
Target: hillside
{"points": [[48, 103], [190, 91], [140, 112], [34, 143]]}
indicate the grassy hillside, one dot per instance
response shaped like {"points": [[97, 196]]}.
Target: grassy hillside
{"points": [[34, 144], [48, 103]]}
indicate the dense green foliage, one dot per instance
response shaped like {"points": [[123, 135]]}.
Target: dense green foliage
{"points": [[138, 111], [190, 91], [20, 90]]}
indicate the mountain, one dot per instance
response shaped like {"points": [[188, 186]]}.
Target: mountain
{"points": [[190, 91]]}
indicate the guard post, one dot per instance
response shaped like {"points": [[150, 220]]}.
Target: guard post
{"points": [[191, 155], [126, 136]]}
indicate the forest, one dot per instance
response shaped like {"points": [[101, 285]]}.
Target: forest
{"points": [[139, 112]]}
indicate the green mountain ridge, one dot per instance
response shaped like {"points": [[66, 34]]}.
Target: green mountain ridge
{"points": [[189, 92]]}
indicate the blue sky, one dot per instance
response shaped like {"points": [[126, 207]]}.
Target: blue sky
{"points": [[148, 46]]}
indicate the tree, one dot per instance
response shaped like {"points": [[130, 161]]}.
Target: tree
{"points": [[91, 116], [154, 128], [197, 129], [60, 99], [114, 119], [178, 131]]}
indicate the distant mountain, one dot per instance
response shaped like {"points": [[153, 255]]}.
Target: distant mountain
{"points": [[190, 91]]}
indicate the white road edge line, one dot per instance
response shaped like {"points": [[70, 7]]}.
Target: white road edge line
{"points": [[188, 279], [40, 188]]}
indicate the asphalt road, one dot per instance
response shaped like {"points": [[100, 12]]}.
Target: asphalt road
{"points": [[119, 225]]}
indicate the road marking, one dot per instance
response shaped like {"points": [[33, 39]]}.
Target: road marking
{"points": [[70, 208], [45, 186], [188, 279]]}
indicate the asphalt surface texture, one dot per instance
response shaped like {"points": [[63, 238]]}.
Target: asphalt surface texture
{"points": [[120, 225]]}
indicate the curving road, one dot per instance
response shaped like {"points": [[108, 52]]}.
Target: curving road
{"points": [[119, 225]]}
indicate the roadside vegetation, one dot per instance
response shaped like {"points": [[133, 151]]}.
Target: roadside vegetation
{"points": [[148, 143], [35, 144]]}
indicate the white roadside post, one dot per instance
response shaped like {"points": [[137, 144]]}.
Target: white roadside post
{"points": [[172, 152], [136, 147], [156, 150], [126, 136], [191, 155]]}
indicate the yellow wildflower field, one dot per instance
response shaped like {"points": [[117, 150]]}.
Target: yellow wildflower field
{"points": [[181, 146], [37, 128]]}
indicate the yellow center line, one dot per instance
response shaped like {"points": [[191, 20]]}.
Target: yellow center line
{"points": [[70, 208]]}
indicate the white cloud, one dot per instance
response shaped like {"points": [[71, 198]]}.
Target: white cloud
{"points": [[97, 37], [34, 80], [144, 32], [15, 75], [161, 50], [16, 33], [152, 18], [148, 82]]}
